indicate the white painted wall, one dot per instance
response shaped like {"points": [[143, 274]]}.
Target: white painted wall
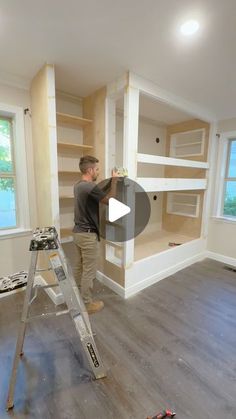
{"points": [[222, 233], [14, 254]]}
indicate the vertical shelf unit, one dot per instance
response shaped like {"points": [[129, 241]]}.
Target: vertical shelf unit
{"points": [[188, 143], [186, 205], [69, 150], [184, 180]]}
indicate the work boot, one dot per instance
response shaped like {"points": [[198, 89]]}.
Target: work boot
{"points": [[94, 306]]}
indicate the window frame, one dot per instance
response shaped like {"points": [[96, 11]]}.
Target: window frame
{"points": [[16, 114], [12, 174], [221, 175], [228, 179]]}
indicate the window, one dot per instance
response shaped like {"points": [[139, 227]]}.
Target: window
{"points": [[8, 217], [229, 207], [14, 201]]}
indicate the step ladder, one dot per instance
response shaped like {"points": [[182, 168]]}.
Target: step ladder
{"points": [[46, 240]]}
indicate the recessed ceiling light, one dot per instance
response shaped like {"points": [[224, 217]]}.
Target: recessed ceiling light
{"points": [[189, 27]]}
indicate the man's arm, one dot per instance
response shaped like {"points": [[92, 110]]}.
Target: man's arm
{"points": [[112, 192]]}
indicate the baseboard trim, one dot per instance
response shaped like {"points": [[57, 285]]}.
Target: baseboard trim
{"points": [[221, 258], [7, 293], [56, 297], [151, 280], [118, 289], [129, 292]]}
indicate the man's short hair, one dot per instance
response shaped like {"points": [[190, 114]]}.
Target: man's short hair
{"points": [[86, 163]]}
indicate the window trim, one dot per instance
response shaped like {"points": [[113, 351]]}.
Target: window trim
{"points": [[16, 113], [12, 174], [222, 166]]}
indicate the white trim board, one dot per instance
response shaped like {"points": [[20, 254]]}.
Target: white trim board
{"points": [[133, 289], [160, 262], [57, 298], [151, 89], [170, 184], [6, 294], [221, 258], [116, 87], [117, 288], [152, 269], [153, 279], [169, 161], [21, 169]]}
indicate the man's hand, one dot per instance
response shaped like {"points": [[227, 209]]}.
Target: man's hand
{"points": [[115, 173], [120, 172]]}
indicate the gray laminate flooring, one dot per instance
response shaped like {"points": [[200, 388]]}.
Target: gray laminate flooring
{"points": [[172, 345]]}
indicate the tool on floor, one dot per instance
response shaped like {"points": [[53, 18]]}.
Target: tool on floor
{"points": [[46, 239], [163, 414], [174, 244]]}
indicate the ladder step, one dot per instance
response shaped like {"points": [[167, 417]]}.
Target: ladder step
{"points": [[46, 240]]}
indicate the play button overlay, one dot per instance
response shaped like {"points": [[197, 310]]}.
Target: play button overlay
{"points": [[128, 211], [117, 210]]}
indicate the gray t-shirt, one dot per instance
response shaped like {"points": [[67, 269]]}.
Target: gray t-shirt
{"points": [[87, 196]]}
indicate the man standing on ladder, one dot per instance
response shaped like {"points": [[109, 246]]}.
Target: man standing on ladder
{"points": [[86, 229]]}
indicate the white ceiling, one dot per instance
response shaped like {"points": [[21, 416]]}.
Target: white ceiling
{"points": [[93, 42]]}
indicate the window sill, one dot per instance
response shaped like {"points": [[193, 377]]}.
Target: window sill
{"points": [[15, 232], [224, 219]]}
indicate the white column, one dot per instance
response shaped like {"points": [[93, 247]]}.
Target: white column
{"points": [[110, 135], [130, 148]]}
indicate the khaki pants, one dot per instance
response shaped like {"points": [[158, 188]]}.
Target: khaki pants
{"points": [[86, 264]]}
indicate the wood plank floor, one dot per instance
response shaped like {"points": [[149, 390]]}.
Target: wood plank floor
{"points": [[172, 345]]}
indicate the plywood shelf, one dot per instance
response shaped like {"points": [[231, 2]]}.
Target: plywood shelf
{"points": [[148, 244], [188, 144], [72, 120], [68, 146]]}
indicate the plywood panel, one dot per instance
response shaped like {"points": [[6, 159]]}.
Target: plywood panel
{"points": [[180, 224], [94, 108], [150, 244], [112, 271], [94, 134], [43, 134], [44, 148]]}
